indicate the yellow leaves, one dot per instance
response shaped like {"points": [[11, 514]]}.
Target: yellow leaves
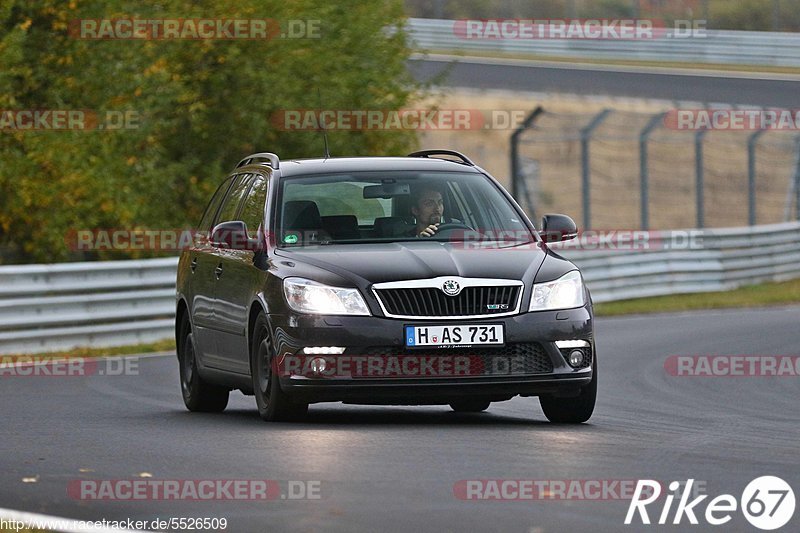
{"points": [[156, 68], [64, 60], [221, 59], [138, 91], [193, 180], [131, 160], [25, 25]]}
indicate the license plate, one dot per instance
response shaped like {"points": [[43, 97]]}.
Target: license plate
{"points": [[454, 335]]}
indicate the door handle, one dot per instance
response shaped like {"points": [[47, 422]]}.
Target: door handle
{"points": [[193, 264], [218, 271]]}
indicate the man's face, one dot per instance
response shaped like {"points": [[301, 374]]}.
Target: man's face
{"points": [[429, 208]]}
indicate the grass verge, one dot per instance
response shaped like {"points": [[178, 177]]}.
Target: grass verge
{"points": [[763, 295], [165, 345]]}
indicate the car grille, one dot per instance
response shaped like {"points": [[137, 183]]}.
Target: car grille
{"points": [[432, 302], [516, 359]]}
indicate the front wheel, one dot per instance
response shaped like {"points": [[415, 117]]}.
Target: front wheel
{"points": [[198, 394], [274, 405], [572, 410]]}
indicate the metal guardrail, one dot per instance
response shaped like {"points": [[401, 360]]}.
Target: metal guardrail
{"points": [[718, 260], [57, 307], [758, 48], [62, 306]]}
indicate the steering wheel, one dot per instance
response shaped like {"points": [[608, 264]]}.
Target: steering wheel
{"points": [[449, 228]]}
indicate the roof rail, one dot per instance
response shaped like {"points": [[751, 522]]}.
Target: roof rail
{"points": [[429, 153], [274, 160]]}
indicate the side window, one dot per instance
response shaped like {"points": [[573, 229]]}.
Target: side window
{"points": [[253, 209], [234, 198], [213, 206]]}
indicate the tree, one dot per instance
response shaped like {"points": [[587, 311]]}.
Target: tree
{"points": [[197, 106]]}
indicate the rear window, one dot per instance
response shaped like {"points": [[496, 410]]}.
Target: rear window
{"points": [[341, 198]]}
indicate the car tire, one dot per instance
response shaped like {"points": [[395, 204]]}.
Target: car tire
{"points": [[471, 405], [572, 410], [198, 394], [274, 405]]}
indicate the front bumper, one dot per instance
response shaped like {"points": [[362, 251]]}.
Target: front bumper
{"points": [[378, 336]]}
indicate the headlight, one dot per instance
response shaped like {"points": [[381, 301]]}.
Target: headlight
{"points": [[564, 293], [306, 296]]}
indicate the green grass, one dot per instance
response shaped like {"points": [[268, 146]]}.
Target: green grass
{"points": [[165, 345], [763, 295]]}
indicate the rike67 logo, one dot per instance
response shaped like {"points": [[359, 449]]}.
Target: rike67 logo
{"points": [[767, 502]]}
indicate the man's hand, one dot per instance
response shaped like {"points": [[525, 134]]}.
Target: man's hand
{"points": [[429, 231]]}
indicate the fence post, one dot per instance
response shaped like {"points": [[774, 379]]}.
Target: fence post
{"points": [[515, 165], [700, 178], [751, 176], [586, 135], [644, 171]]}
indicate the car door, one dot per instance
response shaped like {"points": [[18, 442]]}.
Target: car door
{"points": [[240, 279], [225, 326], [202, 281]]}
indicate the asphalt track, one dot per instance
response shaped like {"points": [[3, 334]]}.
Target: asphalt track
{"points": [[394, 468], [598, 80]]}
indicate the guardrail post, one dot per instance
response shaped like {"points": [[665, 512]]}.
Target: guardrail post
{"points": [[751, 176], [586, 136], [644, 171], [515, 164], [700, 178]]}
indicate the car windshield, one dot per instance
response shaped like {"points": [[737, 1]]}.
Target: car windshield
{"points": [[361, 207]]}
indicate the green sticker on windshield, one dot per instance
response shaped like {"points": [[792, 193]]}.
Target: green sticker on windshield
{"points": [[290, 239]]}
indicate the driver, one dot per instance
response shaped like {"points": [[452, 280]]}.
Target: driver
{"points": [[428, 209]]}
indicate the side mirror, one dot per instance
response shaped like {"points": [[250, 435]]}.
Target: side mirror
{"points": [[232, 235], [557, 228]]}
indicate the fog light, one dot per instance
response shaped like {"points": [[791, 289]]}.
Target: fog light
{"points": [[572, 344], [575, 358], [318, 365]]}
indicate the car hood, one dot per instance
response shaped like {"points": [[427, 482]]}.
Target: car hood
{"points": [[365, 264]]}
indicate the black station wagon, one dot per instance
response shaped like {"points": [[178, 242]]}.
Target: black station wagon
{"points": [[411, 280]]}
